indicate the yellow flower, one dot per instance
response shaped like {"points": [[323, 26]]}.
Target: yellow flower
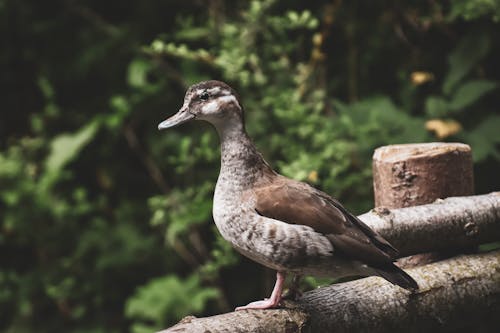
{"points": [[418, 78], [443, 128]]}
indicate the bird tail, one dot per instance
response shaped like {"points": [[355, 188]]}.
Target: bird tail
{"points": [[396, 275]]}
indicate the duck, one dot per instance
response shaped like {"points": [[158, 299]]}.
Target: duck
{"points": [[281, 223]]}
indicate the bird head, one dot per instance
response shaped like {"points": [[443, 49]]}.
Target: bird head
{"points": [[212, 101]]}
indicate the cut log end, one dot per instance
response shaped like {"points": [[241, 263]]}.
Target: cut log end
{"points": [[416, 174], [403, 152]]}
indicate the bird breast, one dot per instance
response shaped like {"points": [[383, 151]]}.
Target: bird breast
{"points": [[272, 243]]}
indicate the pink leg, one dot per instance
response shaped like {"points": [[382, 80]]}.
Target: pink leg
{"points": [[270, 302]]}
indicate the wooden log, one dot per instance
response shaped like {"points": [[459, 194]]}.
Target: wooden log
{"points": [[416, 174], [445, 225], [458, 294], [462, 292]]}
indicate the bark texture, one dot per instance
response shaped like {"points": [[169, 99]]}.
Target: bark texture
{"points": [[448, 224], [457, 294], [415, 174], [259, 321]]}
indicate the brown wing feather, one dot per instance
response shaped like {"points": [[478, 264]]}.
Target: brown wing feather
{"points": [[379, 241], [298, 203], [292, 205]]}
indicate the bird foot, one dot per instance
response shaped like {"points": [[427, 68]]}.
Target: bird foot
{"points": [[268, 303]]}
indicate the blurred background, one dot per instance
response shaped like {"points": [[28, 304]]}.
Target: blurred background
{"points": [[105, 223]]}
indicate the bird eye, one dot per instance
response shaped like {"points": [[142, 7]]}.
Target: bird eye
{"points": [[204, 96]]}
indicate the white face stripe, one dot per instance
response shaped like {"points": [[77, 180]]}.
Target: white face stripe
{"points": [[214, 91], [212, 106], [228, 99]]}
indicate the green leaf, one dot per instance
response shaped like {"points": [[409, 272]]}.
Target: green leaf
{"points": [[471, 49], [65, 147], [484, 139], [436, 106], [470, 92], [46, 87], [138, 70], [121, 108], [192, 33], [474, 9]]}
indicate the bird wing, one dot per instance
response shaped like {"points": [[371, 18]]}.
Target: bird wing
{"points": [[299, 203]]}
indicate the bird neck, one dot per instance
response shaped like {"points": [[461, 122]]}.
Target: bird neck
{"points": [[240, 160], [237, 149]]}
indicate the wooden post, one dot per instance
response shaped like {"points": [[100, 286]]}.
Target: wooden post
{"points": [[416, 174]]}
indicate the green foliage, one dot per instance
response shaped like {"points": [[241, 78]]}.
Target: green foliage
{"points": [[66, 147], [222, 255], [470, 92], [83, 169], [462, 95], [181, 210], [57, 237], [163, 300], [485, 139], [471, 49], [474, 9]]}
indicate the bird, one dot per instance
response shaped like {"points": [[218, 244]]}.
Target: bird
{"points": [[284, 224]]}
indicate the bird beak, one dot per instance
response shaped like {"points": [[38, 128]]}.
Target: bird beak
{"points": [[179, 118]]}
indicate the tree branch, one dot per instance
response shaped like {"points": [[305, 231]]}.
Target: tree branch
{"points": [[455, 294], [452, 223]]}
